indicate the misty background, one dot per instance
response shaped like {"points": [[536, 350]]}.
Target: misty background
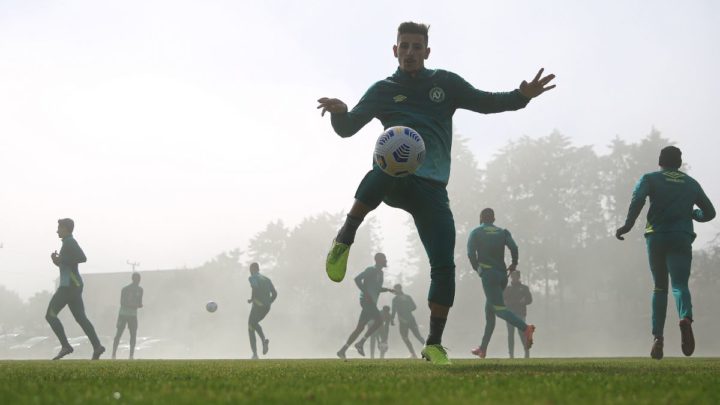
{"points": [[184, 136]]}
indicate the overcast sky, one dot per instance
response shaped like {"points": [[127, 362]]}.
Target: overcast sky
{"points": [[173, 130]]}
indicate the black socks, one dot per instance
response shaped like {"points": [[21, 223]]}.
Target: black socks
{"points": [[437, 326], [348, 230]]}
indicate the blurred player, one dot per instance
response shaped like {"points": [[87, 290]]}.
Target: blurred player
{"points": [[370, 283], [486, 251], [69, 291], [426, 101], [380, 337], [669, 236], [404, 306], [517, 297], [130, 300], [263, 295]]}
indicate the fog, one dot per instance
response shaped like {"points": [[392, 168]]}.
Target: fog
{"points": [[175, 131]]}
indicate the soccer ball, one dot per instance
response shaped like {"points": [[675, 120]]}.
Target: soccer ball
{"points": [[211, 306], [399, 151]]}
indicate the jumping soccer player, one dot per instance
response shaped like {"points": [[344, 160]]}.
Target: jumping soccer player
{"points": [[380, 337], [370, 283], [669, 235], [486, 251], [69, 291], [424, 100], [263, 295], [130, 300], [517, 297], [404, 306]]}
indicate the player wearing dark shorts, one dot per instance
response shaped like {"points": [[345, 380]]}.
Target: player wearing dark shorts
{"points": [[370, 283], [263, 295], [425, 100], [69, 291], [381, 335], [403, 305], [130, 300]]}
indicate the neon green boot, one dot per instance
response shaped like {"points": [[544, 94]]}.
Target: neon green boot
{"points": [[336, 263], [436, 354]]}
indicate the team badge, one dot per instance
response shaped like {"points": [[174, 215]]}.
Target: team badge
{"points": [[437, 94]]}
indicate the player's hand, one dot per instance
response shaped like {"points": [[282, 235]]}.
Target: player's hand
{"points": [[537, 86], [512, 268], [250, 301], [55, 257], [622, 231], [332, 105]]}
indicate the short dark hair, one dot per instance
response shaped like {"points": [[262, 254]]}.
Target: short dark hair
{"points": [[254, 267], [670, 157], [67, 223], [486, 213], [410, 27], [136, 277], [379, 255]]}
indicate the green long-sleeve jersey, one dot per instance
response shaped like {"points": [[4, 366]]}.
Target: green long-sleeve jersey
{"points": [[673, 196], [70, 256], [486, 247], [425, 103]]}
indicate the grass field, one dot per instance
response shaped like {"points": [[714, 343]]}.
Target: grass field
{"points": [[389, 381]]}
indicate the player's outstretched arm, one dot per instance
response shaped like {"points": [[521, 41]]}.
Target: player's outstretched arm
{"points": [[331, 105], [537, 86]]}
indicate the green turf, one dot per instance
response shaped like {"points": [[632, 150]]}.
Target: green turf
{"points": [[531, 381]]}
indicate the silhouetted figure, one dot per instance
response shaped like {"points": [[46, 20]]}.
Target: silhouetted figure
{"points": [[517, 297], [370, 283], [380, 337], [69, 291], [130, 300], [486, 251], [404, 306], [263, 295], [669, 236]]}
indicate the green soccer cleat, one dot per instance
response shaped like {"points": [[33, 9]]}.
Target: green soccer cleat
{"points": [[336, 263], [436, 354]]}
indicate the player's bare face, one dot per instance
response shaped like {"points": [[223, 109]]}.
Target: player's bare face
{"points": [[411, 51]]}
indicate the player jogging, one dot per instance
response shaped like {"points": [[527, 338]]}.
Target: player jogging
{"points": [[380, 337], [517, 297], [263, 295], [69, 291], [669, 235], [370, 283], [424, 100], [130, 300], [486, 251], [403, 305]]}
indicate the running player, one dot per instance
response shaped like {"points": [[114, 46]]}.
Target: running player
{"points": [[69, 291], [263, 295], [424, 100], [380, 337], [370, 283], [486, 251], [517, 297], [404, 306], [130, 300], [669, 235]]}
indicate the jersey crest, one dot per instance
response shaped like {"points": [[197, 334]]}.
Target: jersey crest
{"points": [[437, 94]]}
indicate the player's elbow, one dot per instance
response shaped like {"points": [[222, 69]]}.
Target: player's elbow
{"points": [[345, 132]]}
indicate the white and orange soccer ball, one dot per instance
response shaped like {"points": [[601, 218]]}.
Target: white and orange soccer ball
{"points": [[399, 151]]}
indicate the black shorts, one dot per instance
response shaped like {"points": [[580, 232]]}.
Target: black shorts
{"points": [[129, 320], [369, 312]]}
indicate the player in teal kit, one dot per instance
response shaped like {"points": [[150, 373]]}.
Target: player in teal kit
{"points": [[486, 251], [669, 235], [425, 100], [403, 305], [263, 296], [370, 283], [130, 301], [69, 291]]}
